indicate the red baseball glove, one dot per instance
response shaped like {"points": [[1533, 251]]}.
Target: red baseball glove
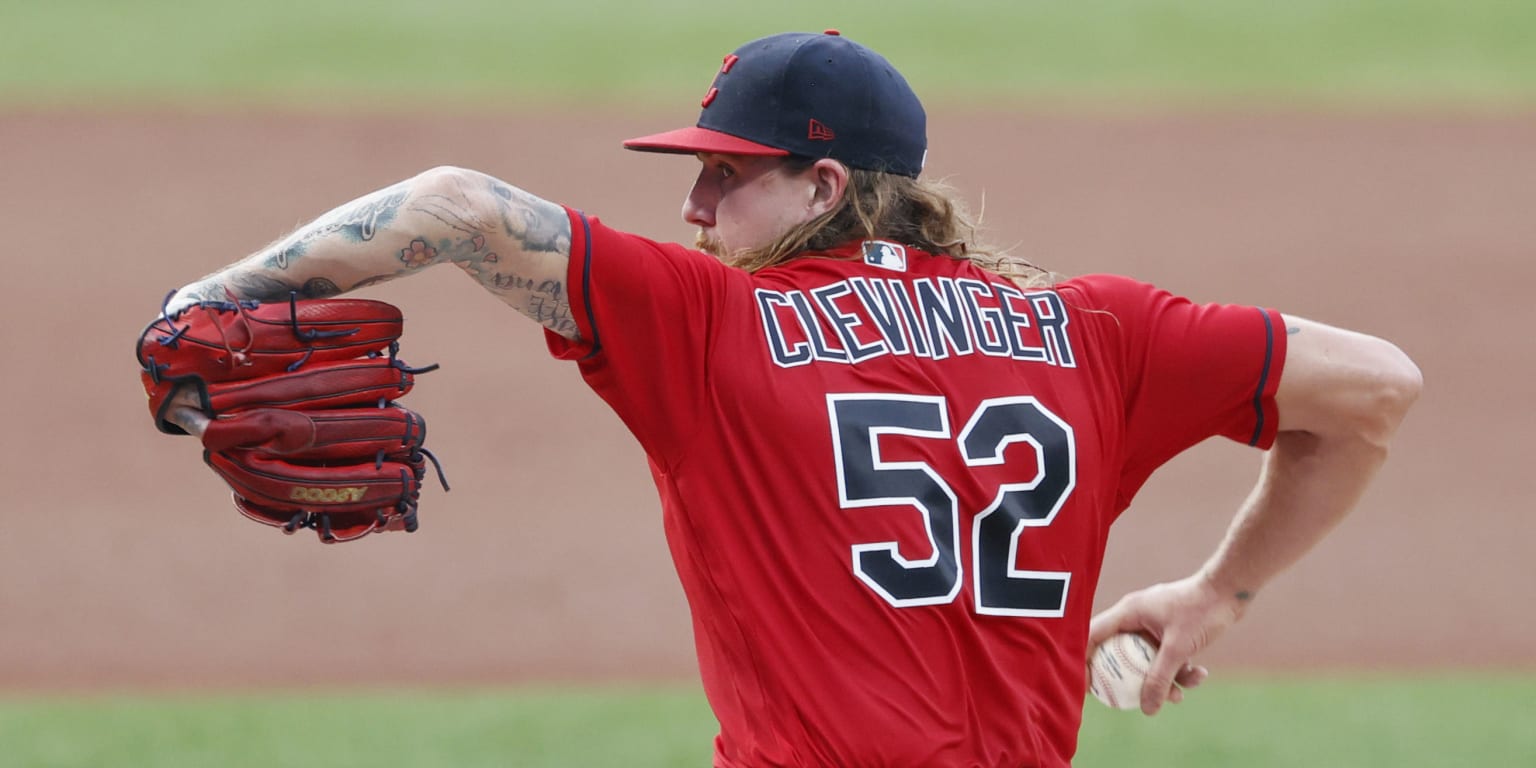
{"points": [[299, 402]]}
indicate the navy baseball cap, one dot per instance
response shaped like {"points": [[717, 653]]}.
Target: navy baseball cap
{"points": [[816, 95]]}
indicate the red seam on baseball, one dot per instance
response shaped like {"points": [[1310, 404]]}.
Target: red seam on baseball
{"points": [[1104, 686], [1125, 657]]}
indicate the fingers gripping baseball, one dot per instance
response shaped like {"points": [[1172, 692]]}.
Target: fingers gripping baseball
{"points": [[1183, 618], [295, 406]]}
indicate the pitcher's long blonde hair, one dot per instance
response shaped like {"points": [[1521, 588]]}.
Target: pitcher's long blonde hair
{"points": [[917, 213]]}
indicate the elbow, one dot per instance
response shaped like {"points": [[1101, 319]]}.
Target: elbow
{"points": [[1344, 385], [1402, 381], [1410, 381], [475, 197], [443, 179], [1395, 387]]}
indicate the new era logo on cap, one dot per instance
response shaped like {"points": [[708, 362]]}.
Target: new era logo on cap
{"points": [[819, 131]]}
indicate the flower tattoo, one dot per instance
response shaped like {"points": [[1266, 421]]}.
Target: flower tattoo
{"points": [[419, 254]]}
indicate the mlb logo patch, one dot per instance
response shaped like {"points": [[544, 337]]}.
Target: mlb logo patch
{"points": [[879, 253]]}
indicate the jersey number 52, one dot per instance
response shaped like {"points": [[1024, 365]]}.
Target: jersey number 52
{"points": [[865, 480]]}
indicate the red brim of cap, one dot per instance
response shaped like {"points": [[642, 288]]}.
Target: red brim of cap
{"points": [[692, 140]]}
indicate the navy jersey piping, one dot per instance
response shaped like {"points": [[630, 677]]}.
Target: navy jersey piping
{"points": [[586, 285], [1258, 397]]}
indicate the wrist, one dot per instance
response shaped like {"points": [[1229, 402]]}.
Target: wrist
{"points": [[1222, 589]]}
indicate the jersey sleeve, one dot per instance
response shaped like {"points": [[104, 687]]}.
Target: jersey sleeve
{"points": [[644, 311], [1190, 371]]}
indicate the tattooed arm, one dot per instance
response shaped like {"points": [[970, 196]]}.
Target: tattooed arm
{"points": [[514, 244]]}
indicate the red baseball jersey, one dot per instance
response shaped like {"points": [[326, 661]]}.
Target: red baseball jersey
{"points": [[887, 478]]}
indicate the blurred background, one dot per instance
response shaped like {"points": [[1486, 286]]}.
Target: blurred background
{"points": [[1366, 163]]}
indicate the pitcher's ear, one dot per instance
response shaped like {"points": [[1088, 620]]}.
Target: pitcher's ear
{"points": [[831, 183]]}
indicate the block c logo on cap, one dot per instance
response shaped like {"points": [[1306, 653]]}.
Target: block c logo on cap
{"points": [[725, 68]]}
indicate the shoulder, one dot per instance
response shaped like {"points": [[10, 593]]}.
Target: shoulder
{"points": [[629, 253], [1104, 291]]}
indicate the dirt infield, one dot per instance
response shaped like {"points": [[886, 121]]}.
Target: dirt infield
{"points": [[122, 564]]}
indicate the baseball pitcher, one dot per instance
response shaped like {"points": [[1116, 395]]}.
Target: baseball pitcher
{"points": [[888, 458]]}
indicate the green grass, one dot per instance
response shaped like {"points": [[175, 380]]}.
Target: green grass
{"points": [[1434, 722], [395, 53], [1404, 723], [528, 729]]}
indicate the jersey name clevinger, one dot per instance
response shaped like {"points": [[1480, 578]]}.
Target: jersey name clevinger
{"points": [[927, 317]]}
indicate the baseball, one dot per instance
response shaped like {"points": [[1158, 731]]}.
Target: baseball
{"points": [[1117, 668]]}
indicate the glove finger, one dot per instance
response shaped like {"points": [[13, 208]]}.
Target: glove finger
{"points": [[232, 341], [272, 430], [287, 487], [223, 341], [361, 433], [322, 385], [340, 434]]}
